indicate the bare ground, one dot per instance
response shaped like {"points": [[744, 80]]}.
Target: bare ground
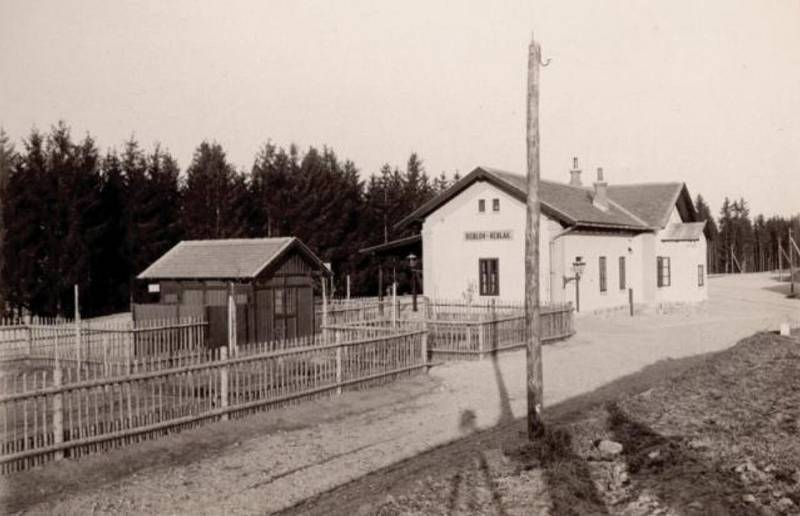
{"points": [[718, 436], [272, 461]]}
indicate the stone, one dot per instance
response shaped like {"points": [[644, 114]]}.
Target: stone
{"points": [[796, 476], [696, 506], [609, 448], [785, 504], [654, 454], [748, 498], [697, 444]]}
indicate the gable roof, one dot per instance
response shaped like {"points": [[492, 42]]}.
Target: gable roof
{"points": [[631, 207], [238, 258], [653, 202], [683, 231]]}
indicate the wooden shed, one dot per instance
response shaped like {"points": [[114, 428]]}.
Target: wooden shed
{"points": [[272, 280]]}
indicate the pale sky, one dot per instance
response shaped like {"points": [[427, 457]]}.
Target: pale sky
{"points": [[703, 92]]}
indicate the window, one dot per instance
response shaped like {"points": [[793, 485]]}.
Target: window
{"points": [[495, 204], [603, 283], [489, 277], [622, 273], [701, 277], [663, 270], [481, 205]]}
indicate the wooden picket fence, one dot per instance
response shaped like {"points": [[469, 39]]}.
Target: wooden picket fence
{"points": [[50, 413], [464, 332], [100, 344], [357, 310]]}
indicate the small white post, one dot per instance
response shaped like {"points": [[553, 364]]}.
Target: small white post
{"points": [[58, 413], [348, 287], [785, 329]]}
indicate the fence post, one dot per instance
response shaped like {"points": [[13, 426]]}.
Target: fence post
{"points": [[324, 312], [394, 305], [425, 329], [223, 380], [337, 338], [481, 339], [232, 331], [30, 341], [105, 354], [58, 413], [77, 332]]}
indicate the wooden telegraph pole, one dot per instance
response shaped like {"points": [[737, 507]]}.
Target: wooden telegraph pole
{"points": [[533, 355]]}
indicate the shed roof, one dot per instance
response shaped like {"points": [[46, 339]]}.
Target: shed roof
{"points": [[640, 207], [241, 258], [683, 231]]}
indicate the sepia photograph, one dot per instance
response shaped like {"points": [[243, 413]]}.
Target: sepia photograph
{"points": [[356, 258]]}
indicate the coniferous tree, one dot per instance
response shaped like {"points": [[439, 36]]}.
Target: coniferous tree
{"points": [[111, 260], [7, 158], [711, 232], [213, 195]]}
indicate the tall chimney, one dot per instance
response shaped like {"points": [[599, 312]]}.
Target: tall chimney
{"points": [[575, 174], [600, 200]]}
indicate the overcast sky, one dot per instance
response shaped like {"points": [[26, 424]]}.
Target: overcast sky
{"points": [[703, 92]]}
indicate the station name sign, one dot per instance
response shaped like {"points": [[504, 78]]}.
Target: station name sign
{"points": [[487, 235]]}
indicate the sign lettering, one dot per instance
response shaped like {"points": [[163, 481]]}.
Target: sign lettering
{"points": [[477, 236]]}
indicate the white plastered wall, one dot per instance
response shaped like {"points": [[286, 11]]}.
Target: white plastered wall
{"points": [[450, 261]]}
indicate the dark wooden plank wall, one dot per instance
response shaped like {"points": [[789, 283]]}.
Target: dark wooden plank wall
{"points": [[292, 279]]}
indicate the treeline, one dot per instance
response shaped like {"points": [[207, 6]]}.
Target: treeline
{"points": [[738, 243], [69, 215]]}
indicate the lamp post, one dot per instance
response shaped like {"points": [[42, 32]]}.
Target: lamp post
{"points": [[578, 267], [412, 262]]}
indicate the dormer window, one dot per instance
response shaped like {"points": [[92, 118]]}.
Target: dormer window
{"points": [[495, 204], [481, 205]]}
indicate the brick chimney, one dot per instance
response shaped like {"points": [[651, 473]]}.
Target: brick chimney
{"points": [[600, 200], [575, 174]]}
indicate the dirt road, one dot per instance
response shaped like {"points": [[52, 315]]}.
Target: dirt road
{"points": [[266, 473]]}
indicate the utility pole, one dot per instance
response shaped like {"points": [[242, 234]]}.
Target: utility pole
{"points": [[533, 355], [791, 263]]}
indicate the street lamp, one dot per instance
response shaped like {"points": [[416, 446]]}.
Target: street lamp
{"points": [[578, 267], [412, 262]]}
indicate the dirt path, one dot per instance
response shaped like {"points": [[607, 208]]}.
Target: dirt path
{"points": [[270, 472]]}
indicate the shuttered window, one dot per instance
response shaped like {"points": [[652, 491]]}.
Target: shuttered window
{"points": [[495, 204], [663, 271], [603, 278], [481, 205], [489, 277], [622, 273]]}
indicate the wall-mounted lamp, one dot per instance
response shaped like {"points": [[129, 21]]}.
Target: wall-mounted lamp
{"points": [[578, 266]]}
